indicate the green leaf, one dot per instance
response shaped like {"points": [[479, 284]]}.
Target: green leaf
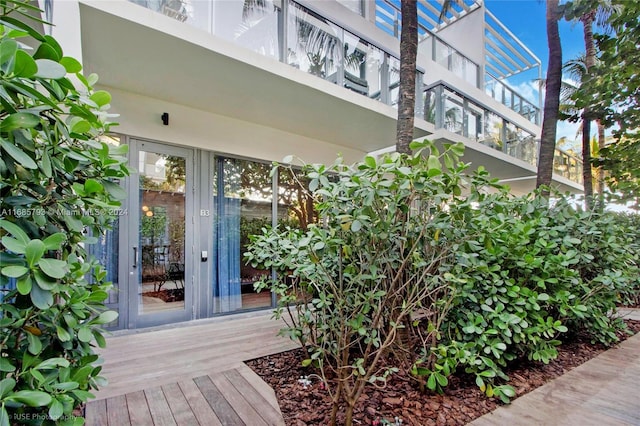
{"points": [[19, 120], [71, 65], [46, 51], [25, 66], [101, 98], [52, 363], [6, 386], [42, 299], [53, 267], [106, 317], [306, 362], [13, 245], [92, 186], [19, 155], [81, 126], [35, 345], [4, 416], [54, 241], [63, 335], [24, 284], [543, 297], [370, 161], [8, 49], [509, 391], [14, 271], [45, 164], [85, 335], [34, 252], [56, 410], [22, 26], [431, 381], [50, 69], [434, 163], [6, 366], [356, 225], [31, 398], [15, 230]]}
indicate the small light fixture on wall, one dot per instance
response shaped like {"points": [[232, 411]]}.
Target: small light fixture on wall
{"points": [[165, 118]]}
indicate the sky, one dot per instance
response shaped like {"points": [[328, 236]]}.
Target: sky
{"points": [[526, 20]]}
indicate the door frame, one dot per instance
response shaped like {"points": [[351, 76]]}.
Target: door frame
{"points": [[131, 278]]}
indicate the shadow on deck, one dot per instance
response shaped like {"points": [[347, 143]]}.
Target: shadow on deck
{"points": [[190, 374]]}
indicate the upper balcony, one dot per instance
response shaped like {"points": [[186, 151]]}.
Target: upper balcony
{"points": [[503, 55], [297, 59]]}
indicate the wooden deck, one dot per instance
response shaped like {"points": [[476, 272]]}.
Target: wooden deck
{"points": [[191, 374]]}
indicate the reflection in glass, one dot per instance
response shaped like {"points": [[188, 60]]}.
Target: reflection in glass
{"points": [[251, 24], [394, 80], [453, 112], [243, 205], [493, 124], [313, 43], [473, 118], [161, 232]]}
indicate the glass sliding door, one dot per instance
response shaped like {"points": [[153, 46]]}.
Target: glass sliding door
{"points": [[160, 234], [243, 205]]}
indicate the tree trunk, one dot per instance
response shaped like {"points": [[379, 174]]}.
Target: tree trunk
{"points": [[600, 170], [590, 57], [586, 159], [552, 98], [407, 89]]}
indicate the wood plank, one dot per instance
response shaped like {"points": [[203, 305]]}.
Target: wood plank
{"points": [[241, 406], [182, 413], [117, 411], [138, 409], [217, 401], [160, 412], [199, 405], [254, 398], [260, 385], [96, 413]]}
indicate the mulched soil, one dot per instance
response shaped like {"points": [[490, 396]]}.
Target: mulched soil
{"points": [[461, 403], [170, 295]]}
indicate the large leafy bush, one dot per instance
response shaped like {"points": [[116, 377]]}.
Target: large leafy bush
{"points": [[58, 192], [406, 272]]}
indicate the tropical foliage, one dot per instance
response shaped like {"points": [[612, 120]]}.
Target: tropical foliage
{"points": [[58, 193], [612, 91], [404, 272]]}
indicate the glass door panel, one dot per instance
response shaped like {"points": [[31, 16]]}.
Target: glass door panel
{"points": [[162, 231], [160, 235], [243, 197]]}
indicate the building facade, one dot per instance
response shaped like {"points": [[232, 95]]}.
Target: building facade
{"points": [[209, 93]]}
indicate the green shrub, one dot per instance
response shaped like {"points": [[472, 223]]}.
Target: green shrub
{"points": [[371, 269], [403, 265], [58, 185]]}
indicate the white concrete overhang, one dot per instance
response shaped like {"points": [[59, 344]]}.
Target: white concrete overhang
{"points": [[143, 52]]}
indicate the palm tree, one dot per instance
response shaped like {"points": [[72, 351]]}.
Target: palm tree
{"points": [[552, 98], [589, 12], [407, 86]]}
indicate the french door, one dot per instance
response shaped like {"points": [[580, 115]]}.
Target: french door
{"points": [[159, 235]]}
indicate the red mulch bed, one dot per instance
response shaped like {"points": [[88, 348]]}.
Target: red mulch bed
{"points": [[461, 403]]}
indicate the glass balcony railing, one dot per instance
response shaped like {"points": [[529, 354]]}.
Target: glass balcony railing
{"points": [[293, 34], [446, 108], [568, 166], [451, 110], [510, 98]]}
